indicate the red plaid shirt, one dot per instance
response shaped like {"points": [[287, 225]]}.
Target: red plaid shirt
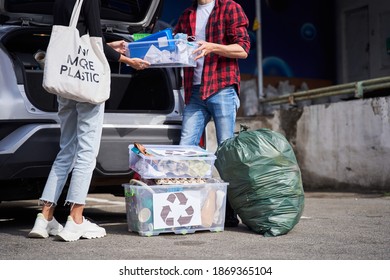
{"points": [[227, 25]]}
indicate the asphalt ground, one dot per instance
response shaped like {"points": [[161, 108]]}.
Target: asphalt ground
{"points": [[333, 227]]}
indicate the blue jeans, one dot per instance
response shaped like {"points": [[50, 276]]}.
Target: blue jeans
{"points": [[221, 106], [81, 129]]}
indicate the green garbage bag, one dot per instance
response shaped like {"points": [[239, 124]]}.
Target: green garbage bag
{"points": [[265, 185]]}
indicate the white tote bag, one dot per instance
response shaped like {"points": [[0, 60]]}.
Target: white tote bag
{"points": [[76, 67]]}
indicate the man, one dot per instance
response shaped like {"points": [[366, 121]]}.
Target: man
{"points": [[212, 87]]}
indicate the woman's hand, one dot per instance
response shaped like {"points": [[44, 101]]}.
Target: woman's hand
{"points": [[119, 46], [136, 63], [139, 64]]}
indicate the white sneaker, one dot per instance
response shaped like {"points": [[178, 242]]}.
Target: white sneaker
{"points": [[86, 229], [43, 228]]}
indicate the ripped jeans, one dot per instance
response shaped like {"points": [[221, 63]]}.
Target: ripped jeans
{"points": [[81, 129]]}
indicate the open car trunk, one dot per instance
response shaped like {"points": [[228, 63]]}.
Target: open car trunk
{"points": [[142, 107], [149, 90]]}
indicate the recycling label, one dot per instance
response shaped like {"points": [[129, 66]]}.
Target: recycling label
{"points": [[176, 209]]}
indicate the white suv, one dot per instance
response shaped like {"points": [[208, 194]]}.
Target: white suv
{"points": [[145, 106]]}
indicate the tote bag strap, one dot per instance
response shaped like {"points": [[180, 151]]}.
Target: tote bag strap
{"points": [[75, 13]]}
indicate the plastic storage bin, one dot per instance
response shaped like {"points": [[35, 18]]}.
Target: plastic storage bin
{"points": [[172, 161], [166, 33], [179, 209], [161, 40], [164, 51]]}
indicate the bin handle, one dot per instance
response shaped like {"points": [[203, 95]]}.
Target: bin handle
{"points": [[140, 183]]}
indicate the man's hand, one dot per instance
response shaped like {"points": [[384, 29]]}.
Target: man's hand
{"points": [[204, 49]]}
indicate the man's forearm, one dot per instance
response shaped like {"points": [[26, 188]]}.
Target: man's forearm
{"points": [[231, 51]]}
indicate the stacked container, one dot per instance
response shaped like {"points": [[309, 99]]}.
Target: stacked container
{"points": [[176, 192]]}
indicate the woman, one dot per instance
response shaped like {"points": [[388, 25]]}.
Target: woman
{"points": [[81, 128]]}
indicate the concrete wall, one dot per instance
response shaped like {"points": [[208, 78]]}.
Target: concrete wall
{"points": [[342, 146]]}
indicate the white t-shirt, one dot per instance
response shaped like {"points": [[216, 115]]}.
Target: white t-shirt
{"points": [[202, 16]]}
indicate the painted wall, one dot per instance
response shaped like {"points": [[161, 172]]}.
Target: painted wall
{"points": [[297, 37]]}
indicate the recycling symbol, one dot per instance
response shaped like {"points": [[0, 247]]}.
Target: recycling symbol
{"points": [[184, 217]]}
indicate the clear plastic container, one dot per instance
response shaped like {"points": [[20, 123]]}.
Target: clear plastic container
{"points": [[164, 52], [180, 209], [172, 161]]}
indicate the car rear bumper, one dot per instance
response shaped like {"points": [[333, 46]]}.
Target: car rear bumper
{"points": [[30, 150]]}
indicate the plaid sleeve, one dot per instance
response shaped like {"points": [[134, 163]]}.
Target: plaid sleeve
{"points": [[237, 27]]}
